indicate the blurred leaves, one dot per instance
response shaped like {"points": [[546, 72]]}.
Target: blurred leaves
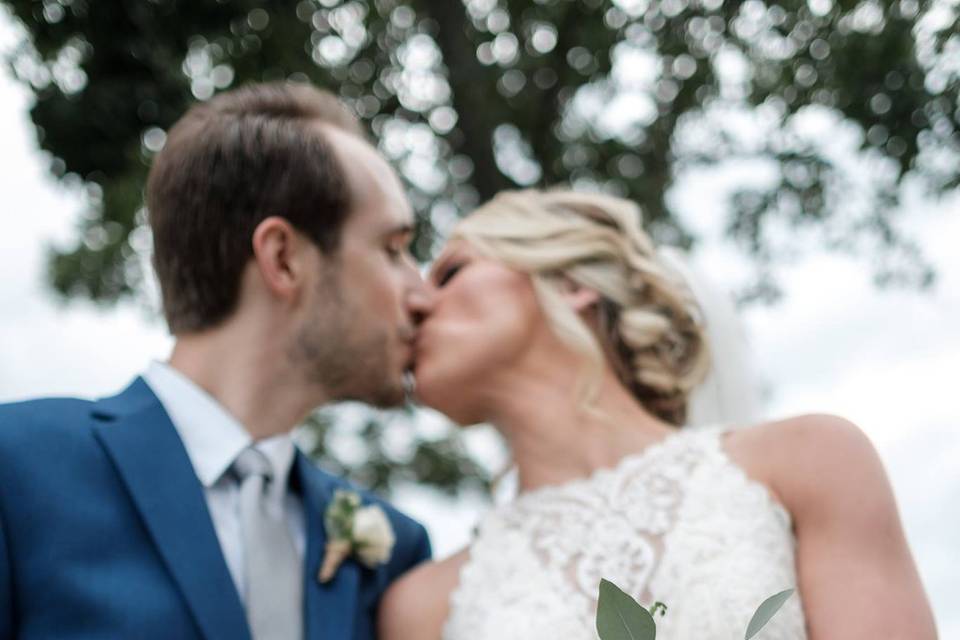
{"points": [[831, 109], [387, 450]]}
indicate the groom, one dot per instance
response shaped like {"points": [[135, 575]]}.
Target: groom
{"points": [[180, 507]]}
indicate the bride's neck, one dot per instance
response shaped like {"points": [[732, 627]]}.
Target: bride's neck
{"points": [[554, 439]]}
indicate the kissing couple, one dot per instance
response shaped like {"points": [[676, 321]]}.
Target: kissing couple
{"points": [[181, 508]]}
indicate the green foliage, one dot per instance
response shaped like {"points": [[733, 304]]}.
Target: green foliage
{"points": [[470, 97], [658, 607], [440, 462], [620, 617], [766, 611], [338, 518]]}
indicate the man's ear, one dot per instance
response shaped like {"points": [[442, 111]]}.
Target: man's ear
{"points": [[282, 255], [579, 297]]}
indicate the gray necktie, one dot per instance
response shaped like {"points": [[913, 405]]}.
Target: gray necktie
{"points": [[274, 575]]}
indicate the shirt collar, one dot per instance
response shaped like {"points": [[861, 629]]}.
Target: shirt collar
{"points": [[212, 437]]}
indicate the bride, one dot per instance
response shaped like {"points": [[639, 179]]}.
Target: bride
{"points": [[557, 321]]}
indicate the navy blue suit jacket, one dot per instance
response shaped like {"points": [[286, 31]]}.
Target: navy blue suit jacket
{"points": [[105, 532]]}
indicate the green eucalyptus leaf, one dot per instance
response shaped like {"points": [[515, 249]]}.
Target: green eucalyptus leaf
{"points": [[620, 617], [766, 611]]}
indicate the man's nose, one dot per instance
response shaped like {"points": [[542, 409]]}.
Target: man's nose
{"points": [[421, 299]]}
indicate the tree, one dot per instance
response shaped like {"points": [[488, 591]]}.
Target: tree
{"points": [[470, 97]]}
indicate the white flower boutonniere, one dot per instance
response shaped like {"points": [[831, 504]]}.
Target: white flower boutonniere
{"points": [[353, 528]]}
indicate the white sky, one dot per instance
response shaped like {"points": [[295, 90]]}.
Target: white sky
{"points": [[885, 360]]}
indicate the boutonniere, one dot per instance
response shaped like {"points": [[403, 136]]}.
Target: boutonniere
{"points": [[364, 531]]}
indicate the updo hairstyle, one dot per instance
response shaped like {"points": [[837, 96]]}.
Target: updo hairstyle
{"points": [[647, 325]]}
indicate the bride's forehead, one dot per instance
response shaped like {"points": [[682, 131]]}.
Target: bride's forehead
{"points": [[453, 248]]}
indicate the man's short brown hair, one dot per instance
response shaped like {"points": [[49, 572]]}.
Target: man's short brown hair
{"points": [[228, 164]]}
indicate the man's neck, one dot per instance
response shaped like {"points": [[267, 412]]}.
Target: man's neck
{"points": [[250, 377]]}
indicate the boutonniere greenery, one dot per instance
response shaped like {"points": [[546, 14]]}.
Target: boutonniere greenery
{"points": [[620, 617], [355, 529]]}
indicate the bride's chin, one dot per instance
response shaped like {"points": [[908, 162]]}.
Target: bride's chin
{"points": [[441, 389], [424, 392], [427, 397], [444, 399], [438, 398]]}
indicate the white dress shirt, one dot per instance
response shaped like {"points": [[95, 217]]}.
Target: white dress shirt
{"points": [[213, 438]]}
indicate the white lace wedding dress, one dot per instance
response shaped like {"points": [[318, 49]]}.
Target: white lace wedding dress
{"points": [[679, 523]]}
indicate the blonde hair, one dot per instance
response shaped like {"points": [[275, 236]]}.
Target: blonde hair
{"points": [[648, 325]]}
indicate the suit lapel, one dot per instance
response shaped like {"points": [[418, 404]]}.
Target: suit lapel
{"points": [[150, 458], [329, 609]]}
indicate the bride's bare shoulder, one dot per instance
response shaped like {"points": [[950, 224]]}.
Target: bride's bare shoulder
{"points": [[803, 457], [415, 606], [798, 433], [853, 560]]}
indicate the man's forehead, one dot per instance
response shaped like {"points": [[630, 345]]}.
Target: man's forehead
{"points": [[373, 184], [354, 152]]}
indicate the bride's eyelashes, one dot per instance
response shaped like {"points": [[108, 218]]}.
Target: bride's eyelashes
{"points": [[448, 274]]}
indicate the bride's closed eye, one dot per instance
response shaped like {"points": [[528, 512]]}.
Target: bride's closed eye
{"points": [[447, 274]]}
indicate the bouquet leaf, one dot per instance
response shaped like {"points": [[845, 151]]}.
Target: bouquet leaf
{"points": [[766, 611], [620, 617]]}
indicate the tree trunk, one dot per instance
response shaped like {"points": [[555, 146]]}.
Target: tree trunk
{"points": [[468, 84]]}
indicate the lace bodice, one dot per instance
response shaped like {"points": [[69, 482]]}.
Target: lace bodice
{"points": [[679, 523]]}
